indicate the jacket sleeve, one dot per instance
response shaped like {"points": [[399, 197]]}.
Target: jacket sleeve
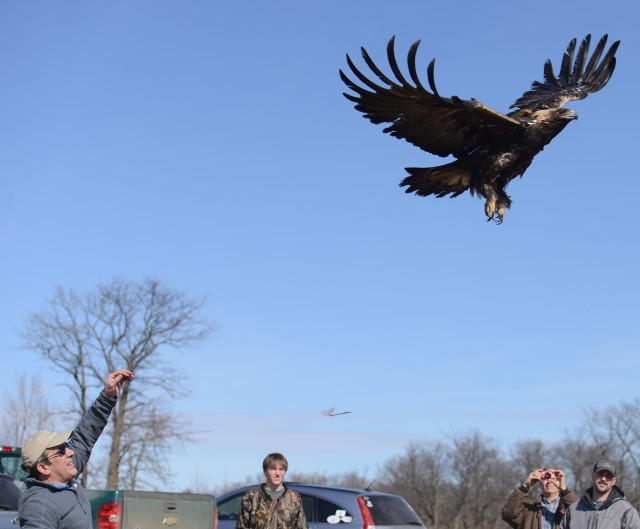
{"points": [[244, 516], [513, 509], [633, 520], [88, 430], [302, 518]]}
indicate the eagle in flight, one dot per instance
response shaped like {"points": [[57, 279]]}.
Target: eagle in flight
{"points": [[490, 148]]}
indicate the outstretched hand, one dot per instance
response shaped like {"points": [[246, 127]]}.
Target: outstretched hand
{"points": [[115, 381]]}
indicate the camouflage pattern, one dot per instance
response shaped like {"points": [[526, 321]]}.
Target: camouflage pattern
{"points": [[259, 511]]}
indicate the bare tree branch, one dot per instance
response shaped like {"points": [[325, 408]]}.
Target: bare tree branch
{"points": [[123, 325]]}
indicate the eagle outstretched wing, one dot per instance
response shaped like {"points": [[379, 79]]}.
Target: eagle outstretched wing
{"points": [[491, 148], [439, 125], [573, 82]]}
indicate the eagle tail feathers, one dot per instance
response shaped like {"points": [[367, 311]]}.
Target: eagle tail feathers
{"points": [[450, 179]]}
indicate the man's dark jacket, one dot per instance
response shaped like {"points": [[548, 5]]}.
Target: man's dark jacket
{"points": [[522, 512]]}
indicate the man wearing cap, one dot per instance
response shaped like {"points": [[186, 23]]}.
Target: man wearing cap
{"points": [[603, 505], [53, 498], [546, 510]]}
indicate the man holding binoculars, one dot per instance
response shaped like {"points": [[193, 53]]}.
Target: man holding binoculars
{"points": [[545, 511]]}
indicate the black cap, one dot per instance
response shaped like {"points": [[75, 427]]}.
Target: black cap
{"points": [[605, 464]]}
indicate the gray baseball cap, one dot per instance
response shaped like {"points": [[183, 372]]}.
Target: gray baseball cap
{"points": [[605, 464]]}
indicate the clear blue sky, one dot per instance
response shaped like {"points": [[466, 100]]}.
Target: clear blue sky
{"points": [[208, 144]]}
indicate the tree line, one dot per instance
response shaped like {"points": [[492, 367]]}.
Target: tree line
{"points": [[462, 483]]}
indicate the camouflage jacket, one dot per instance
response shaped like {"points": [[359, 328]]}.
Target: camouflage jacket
{"points": [[259, 511]]}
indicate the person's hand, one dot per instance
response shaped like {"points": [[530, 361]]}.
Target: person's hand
{"points": [[115, 381], [560, 477], [532, 478]]}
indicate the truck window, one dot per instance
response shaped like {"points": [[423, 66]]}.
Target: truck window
{"points": [[11, 462]]}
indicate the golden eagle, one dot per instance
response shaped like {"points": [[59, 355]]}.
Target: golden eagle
{"points": [[490, 148]]}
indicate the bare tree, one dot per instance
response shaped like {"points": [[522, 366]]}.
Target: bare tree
{"points": [[351, 479], [529, 455], [419, 476], [480, 482], [122, 325], [576, 455], [354, 480], [25, 410], [614, 432], [145, 443]]}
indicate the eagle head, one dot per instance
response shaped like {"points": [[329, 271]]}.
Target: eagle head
{"points": [[550, 115], [567, 113], [545, 124]]}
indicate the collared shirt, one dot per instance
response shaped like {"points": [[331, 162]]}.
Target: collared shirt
{"points": [[62, 486], [549, 509]]}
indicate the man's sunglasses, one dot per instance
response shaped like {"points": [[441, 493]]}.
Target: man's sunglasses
{"points": [[59, 451]]}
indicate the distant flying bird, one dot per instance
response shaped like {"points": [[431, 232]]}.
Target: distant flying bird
{"points": [[490, 148], [332, 412]]}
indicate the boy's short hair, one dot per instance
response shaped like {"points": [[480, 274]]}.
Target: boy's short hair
{"points": [[274, 459]]}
